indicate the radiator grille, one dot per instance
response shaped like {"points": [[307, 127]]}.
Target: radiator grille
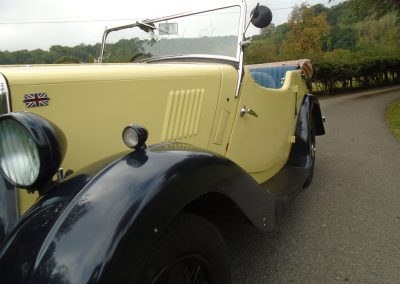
{"points": [[182, 116]]}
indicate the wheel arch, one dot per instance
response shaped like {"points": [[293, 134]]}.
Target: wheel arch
{"points": [[299, 165], [309, 116], [216, 208], [317, 120], [123, 209]]}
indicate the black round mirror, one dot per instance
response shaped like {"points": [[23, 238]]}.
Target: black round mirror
{"points": [[261, 16]]}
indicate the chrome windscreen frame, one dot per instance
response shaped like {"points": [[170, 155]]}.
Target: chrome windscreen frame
{"points": [[239, 51]]}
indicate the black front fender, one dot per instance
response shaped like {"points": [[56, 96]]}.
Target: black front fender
{"points": [[103, 231], [309, 117], [296, 170]]}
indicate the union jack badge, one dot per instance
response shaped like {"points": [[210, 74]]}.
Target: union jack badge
{"points": [[36, 100]]}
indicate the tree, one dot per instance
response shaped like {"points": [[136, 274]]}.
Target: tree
{"points": [[123, 50], [7, 57], [280, 34], [67, 60], [21, 56], [376, 8], [378, 37], [343, 14], [320, 8], [342, 37], [268, 31], [305, 32]]}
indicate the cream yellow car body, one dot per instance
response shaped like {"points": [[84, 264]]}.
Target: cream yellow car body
{"points": [[223, 141], [190, 103]]}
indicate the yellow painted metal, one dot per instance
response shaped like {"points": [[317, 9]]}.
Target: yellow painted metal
{"points": [[47, 74], [93, 104], [260, 144], [182, 116], [221, 129], [92, 110], [25, 200], [227, 103], [191, 103]]}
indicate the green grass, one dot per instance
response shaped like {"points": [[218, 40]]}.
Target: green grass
{"points": [[392, 116]]}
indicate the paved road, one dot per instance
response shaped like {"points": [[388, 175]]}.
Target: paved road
{"points": [[346, 226]]}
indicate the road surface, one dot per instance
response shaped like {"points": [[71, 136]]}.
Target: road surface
{"points": [[344, 228]]}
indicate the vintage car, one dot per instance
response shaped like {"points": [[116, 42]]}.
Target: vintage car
{"points": [[121, 171]]}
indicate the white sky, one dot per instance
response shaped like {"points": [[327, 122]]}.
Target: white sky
{"points": [[19, 27]]}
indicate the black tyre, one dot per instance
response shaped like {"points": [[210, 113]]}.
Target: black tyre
{"points": [[191, 251], [312, 149]]}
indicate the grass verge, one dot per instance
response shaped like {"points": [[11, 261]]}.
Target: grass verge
{"points": [[392, 116]]}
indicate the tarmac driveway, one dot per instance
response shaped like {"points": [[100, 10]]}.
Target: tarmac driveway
{"points": [[346, 226]]}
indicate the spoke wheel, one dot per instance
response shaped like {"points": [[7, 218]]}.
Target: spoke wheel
{"points": [[191, 251], [312, 151], [190, 269]]}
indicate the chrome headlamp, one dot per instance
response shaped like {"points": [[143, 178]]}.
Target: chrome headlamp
{"points": [[4, 103], [135, 136], [31, 149]]}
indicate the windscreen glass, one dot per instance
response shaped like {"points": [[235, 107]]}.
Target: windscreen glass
{"points": [[213, 33]]}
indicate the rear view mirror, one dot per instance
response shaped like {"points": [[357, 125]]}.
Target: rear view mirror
{"points": [[261, 16], [168, 28]]}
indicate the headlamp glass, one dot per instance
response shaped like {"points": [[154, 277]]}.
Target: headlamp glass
{"points": [[19, 156], [130, 137]]}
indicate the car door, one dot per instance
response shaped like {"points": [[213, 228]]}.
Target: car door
{"points": [[261, 144]]}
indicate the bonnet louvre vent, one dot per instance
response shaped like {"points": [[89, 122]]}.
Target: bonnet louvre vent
{"points": [[182, 115]]}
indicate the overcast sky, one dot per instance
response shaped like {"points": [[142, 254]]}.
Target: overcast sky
{"points": [[30, 24]]}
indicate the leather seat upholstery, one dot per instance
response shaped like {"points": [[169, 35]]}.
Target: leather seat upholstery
{"points": [[271, 77]]}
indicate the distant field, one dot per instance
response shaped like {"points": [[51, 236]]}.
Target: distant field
{"points": [[392, 116]]}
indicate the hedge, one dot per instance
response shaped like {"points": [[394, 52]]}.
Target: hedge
{"points": [[333, 77]]}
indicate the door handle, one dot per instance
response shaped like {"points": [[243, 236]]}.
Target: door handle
{"points": [[245, 110]]}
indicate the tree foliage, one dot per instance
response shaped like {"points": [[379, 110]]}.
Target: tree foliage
{"points": [[355, 43], [336, 74], [306, 31], [372, 33], [56, 54], [375, 8]]}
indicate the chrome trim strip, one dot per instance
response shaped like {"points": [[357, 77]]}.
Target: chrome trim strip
{"points": [[203, 56], [16, 203], [4, 89], [240, 74], [242, 32], [9, 206]]}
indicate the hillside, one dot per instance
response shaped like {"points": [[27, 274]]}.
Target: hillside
{"points": [[354, 44]]}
